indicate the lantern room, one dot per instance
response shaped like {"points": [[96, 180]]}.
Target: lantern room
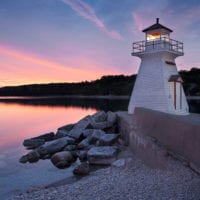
{"points": [[157, 38], [157, 32]]}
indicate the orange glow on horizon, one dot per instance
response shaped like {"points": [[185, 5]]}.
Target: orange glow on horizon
{"points": [[22, 68]]}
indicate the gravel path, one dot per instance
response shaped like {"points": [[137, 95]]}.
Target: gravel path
{"points": [[133, 181]]}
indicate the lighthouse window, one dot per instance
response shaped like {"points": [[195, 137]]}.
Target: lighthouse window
{"points": [[153, 36], [165, 37]]}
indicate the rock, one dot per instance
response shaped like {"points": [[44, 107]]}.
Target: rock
{"points": [[82, 169], [82, 155], [67, 127], [33, 143], [98, 120], [46, 136], [61, 133], [112, 129], [99, 116], [70, 147], [84, 144], [90, 146], [31, 157], [111, 118], [62, 159], [74, 154], [64, 130], [47, 156], [108, 139], [102, 155], [119, 163], [97, 134], [77, 131], [88, 132], [55, 145], [98, 125]]}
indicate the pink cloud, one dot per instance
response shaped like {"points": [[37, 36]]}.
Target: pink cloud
{"points": [[87, 12], [138, 21]]}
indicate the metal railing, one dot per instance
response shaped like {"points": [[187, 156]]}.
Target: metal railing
{"points": [[162, 43]]}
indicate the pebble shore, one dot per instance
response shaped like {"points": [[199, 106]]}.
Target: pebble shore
{"points": [[133, 181]]}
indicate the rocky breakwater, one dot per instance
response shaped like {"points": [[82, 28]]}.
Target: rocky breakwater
{"points": [[94, 140]]}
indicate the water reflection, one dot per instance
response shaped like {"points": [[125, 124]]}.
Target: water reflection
{"points": [[194, 105], [23, 121], [94, 103]]}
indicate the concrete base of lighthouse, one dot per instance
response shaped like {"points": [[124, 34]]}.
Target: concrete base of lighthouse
{"points": [[152, 88]]}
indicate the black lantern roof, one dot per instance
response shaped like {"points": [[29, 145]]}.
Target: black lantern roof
{"points": [[157, 25]]}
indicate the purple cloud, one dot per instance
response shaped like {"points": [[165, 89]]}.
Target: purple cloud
{"points": [[87, 12]]}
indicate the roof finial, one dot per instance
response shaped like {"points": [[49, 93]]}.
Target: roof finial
{"points": [[157, 20]]}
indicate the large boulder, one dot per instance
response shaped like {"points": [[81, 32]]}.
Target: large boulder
{"points": [[79, 127], [103, 121], [31, 157], [46, 136], [111, 118], [33, 143], [67, 127], [98, 120], [103, 155], [108, 139], [99, 116], [70, 147], [82, 169], [88, 132], [61, 133], [96, 135], [82, 155], [98, 125], [55, 145], [84, 144], [64, 130], [74, 154], [111, 123], [62, 159]]}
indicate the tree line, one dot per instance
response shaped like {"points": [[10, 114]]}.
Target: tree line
{"points": [[106, 85]]}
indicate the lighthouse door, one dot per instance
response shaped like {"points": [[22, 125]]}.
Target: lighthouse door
{"points": [[176, 91], [177, 95]]}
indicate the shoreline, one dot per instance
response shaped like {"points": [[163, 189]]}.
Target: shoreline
{"points": [[81, 97], [66, 96]]}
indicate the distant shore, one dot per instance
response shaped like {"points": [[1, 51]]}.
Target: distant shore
{"points": [[193, 97], [81, 97], [68, 96]]}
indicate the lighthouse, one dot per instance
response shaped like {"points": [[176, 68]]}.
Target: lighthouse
{"points": [[158, 85]]}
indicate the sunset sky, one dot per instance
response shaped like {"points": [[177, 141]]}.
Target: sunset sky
{"points": [[45, 41]]}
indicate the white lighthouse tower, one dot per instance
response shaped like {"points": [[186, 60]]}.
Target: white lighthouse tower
{"points": [[158, 85]]}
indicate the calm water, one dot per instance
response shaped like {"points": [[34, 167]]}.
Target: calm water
{"points": [[25, 118]]}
